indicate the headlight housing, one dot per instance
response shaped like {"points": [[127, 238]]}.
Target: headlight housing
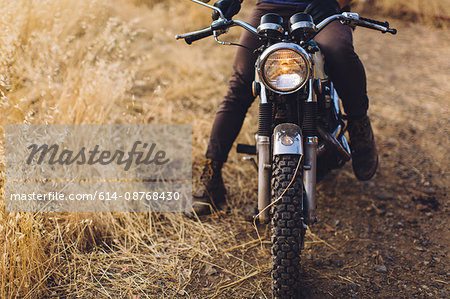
{"points": [[284, 67]]}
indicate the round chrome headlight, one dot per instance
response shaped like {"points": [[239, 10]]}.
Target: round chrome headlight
{"points": [[284, 67]]}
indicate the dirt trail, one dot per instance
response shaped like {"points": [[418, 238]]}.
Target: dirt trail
{"points": [[392, 233]]}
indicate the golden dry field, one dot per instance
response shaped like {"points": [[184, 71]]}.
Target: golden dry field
{"points": [[108, 62]]}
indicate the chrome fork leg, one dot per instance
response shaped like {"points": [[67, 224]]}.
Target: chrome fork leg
{"points": [[309, 179], [264, 173]]}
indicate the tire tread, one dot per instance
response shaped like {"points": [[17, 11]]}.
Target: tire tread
{"points": [[287, 228]]}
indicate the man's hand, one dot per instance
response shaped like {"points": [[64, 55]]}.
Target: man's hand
{"points": [[322, 9], [228, 7]]}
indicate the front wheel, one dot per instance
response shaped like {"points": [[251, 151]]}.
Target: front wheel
{"points": [[287, 226]]}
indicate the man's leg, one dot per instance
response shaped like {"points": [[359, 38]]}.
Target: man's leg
{"points": [[349, 77], [231, 112], [228, 121]]}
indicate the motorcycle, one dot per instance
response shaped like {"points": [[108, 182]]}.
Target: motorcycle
{"points": [[301, 128]]}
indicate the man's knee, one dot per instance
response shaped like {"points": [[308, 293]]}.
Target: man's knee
{"points": [[339, 52], [336, 43], [238, 98]]}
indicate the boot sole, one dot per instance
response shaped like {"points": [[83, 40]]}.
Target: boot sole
{"points": [[368, 177]]}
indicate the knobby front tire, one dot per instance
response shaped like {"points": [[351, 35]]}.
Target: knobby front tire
{"points": [[287, 227]]}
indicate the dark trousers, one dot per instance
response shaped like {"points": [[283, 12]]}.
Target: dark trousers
{"points": [[343, 66]]}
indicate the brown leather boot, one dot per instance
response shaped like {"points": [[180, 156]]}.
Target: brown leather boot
{"points": [[364, 151], [211, 192]]}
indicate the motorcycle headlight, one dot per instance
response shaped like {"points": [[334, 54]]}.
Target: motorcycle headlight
{"points": [[284, 67]]}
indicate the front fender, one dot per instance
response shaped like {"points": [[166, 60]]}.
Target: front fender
{"points": [[287, 139]]}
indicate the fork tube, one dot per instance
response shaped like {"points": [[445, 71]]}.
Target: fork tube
{"points": [[309, 179], [264, 173], [264, 162], [310, 162]]}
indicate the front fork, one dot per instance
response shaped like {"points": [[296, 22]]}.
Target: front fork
{"points": [[309, 150], [310, 158], [309, 179], [264, 154], [264, 175]]}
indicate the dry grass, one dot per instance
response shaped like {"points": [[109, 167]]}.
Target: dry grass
{"points": [[68, 61], [105, 62], [431, 12]]}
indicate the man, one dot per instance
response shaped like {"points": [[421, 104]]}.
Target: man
{"points": [[344, 69]]}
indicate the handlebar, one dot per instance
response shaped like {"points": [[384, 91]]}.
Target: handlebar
{"points": [[197, 36], [219, 26], [353, 19], [383, 24], [222, 25]]}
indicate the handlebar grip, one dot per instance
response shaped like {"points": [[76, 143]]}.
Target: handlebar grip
{"points": [[191, 39], [384, 24]]}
